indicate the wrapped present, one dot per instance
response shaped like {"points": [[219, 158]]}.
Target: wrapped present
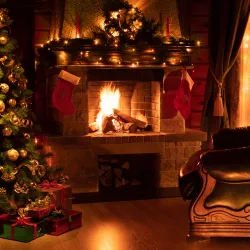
{"points": [[61, 223], [61, 194], [22, 229], [40, 212]]}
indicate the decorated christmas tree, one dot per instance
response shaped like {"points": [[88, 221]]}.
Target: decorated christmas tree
{"points": [[22, 163]]}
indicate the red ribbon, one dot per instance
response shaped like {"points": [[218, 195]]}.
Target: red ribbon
{"points": [[23, 222], [46, 184]]}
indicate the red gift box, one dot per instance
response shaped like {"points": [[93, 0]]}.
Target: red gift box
{"points": [[62, 194], [69, 221], [40, 212]]}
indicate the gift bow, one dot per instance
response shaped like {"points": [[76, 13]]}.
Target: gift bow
{"points": [[25, 221], [46, 184]]}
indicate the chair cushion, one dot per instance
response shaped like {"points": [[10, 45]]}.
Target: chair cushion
{"points": [[229, 172]]}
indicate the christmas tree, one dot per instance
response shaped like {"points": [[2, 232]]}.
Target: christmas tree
{"points": [[22, 164]]}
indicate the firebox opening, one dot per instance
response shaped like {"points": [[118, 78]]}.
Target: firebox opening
{"points": [[120, 171], [123, 107]]}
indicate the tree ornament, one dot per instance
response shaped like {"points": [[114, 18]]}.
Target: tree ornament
{"points": [[7, 131], [2, 59], [34, 163], [41, 170], [12, 154], [12, 102], [3, 191], [24, 104], [26, 136], [3, 40], [14, 119], [6, 176], [33, 185], [21, 190], [12, 78], [4, 88], [9, 64], [23, 153], [26, 123], [22, 83], [2, 106]]}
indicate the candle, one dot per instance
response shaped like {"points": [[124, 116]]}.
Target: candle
{"points": [[168, 27], [78, 25]]}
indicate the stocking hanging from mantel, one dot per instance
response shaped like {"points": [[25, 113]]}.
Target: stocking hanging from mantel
{"points": [[62, 94]]}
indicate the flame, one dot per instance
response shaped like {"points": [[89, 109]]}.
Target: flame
{"points": [[109, 99]]}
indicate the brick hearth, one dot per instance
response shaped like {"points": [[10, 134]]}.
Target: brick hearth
{"points": [[78, 155]]}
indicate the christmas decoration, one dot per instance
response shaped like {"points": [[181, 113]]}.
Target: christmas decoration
{"points": [[12, 154], [3, 191], [23, 153], [182, 101], [26, 136], [14, 119], [7, 131], [2, 106], [23, 104], [4, 88], [12, 102], [8, 177], [3, 40], [62, 95], [18, 189]]}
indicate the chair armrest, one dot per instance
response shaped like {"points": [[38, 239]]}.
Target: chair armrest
{"points": [[227, 156]]}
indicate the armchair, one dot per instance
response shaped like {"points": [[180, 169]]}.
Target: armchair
{"points": [[219, 186]]}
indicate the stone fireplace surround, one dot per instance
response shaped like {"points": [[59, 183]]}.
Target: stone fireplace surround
{"points": [[77, 151]]}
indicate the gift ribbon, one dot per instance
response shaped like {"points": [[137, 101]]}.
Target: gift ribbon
{"points": [[46, 184], [23, 222]]}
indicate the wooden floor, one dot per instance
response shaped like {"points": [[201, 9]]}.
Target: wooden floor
{"points": [[130, 225]]}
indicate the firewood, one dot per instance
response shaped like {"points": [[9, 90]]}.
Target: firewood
{"points": [[130, 119], [130, 127], [107, 124], [93, 127]]}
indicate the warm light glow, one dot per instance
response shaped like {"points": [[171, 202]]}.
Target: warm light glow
{"points": [[66, 42], [96, 41], [198, 43], [36, 140], [81, 53], [109, 99], [244, 100], [188, 50]]}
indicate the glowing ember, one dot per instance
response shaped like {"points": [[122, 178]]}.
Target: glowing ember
{"points": [[109, 99]]}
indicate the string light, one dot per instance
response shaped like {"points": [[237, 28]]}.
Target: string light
{"points": [[66, 42], [198, 43], [188, 50]]}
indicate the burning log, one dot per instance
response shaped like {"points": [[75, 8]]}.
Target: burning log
{"points": [[93, 127], [107, 124], [129, 119], [131, 127]]}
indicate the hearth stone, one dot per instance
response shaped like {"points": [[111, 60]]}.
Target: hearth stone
{"points": [[79, 155]]}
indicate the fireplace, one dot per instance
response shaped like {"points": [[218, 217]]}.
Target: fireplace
{"points": [[165, 141]]}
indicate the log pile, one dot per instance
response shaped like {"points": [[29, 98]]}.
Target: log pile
{"points": [[118, 122]]}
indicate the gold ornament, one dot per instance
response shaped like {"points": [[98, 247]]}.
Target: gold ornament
{"points": [[8, 177], [41, 170], [12, 78], [21, 190], [4, 88], [9, 64], [12, 154], [22, 83], [3, 191], [34, 163], [26, 136], [2, 59], [14, 119], [12, 102], [22, 212], [45, 202], [2, 106], [23, 104], [23, 153], [26, 123], [32, 185], [30, 167], [3, 40], [7, 131]]}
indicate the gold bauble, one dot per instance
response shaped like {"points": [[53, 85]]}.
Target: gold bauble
{"points": [[2, 106], [12, 102], [7, 131], [3, 191], [23, 104], [26, 136], [14, 119], [3, 40], [34, 163], [12, 154], [4, 88], [23, 153], [41, 170], [12, 78]]}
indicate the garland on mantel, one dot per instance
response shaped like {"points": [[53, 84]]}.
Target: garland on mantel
{"points": [[126, 38]]}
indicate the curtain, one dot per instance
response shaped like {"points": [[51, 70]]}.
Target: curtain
{"points": [[244, 103], [227, 23]]}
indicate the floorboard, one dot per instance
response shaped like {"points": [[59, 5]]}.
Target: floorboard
{"points": [[156, 224]]}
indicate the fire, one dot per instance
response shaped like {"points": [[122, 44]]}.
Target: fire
{"points": [[109, 99]]}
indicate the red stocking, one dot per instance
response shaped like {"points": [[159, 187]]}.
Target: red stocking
{"points": [[62, 94]]}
